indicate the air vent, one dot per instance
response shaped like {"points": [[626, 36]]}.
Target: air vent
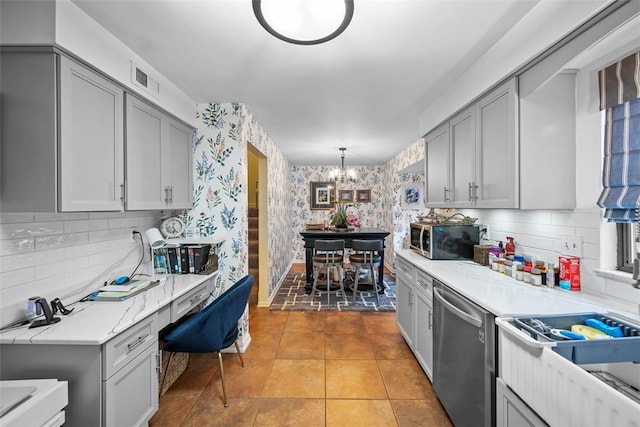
{"points": [[143, 80], [141, 77]]}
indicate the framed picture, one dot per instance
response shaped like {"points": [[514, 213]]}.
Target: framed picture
{"points": [[346, 196], [412, 197], [363, 196], [322, 195]]}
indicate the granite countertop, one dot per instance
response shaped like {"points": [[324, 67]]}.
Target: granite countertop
{"points": [[505, 296], [95, 322]]}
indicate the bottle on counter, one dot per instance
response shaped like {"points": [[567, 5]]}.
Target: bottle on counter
{"points": [[542, 266], [520, 273], [510, 247], [536, 277], [551, 277]]}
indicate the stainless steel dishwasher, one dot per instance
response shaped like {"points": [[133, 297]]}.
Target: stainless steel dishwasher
{"points": [[464, 358]]}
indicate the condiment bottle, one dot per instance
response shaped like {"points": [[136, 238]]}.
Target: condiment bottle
{"points": [[540, 265], [510, 247], [501, 265], [520, 273], [551, 279], [514, 269], [536, 277], [508, 267]]}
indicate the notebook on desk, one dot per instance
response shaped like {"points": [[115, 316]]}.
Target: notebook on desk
{"points": [[107, 295]]}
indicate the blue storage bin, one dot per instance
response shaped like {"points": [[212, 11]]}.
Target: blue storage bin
{"points": [[622, 349]]}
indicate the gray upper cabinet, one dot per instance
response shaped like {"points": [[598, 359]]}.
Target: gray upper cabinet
{"points": [[438, 172], [496, 182], [62, 136], [472, 158], [91, 140], [158, 158]]}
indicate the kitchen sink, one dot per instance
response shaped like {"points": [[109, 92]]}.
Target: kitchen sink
{"points": [[559, 378]]}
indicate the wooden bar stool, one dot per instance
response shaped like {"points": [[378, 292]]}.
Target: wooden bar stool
{"points": [[367, 257], [328, 257]]}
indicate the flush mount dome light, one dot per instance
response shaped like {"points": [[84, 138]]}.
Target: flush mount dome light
{"points": [[304, 22]]}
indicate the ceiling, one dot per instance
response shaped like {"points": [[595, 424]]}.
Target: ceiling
{"points": [[363, 90]]}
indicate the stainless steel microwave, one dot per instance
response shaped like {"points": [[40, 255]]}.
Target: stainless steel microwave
{"points": [[443, 241]]}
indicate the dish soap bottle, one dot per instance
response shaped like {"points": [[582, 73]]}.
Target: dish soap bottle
{"points": [[510, 247]]}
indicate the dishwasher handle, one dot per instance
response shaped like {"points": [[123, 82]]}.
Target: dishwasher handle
{"points": [[467, 317]]}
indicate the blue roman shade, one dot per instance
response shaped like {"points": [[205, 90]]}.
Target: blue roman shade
{"points": [[620, 96]]}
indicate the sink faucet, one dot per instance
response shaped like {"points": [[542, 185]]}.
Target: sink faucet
{"points": [[636, 261]]}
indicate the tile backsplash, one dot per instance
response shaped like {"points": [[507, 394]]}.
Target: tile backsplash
{"points": [[66, 255], [538, 233]]}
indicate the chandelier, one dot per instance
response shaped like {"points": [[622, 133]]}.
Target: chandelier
{"points": [[342, 175], [304, 22]]}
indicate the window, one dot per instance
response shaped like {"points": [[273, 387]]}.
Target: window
{"points": [[619, 85]]}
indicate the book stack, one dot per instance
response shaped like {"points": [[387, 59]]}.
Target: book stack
{"points": [[121, 292], [181, 259]]}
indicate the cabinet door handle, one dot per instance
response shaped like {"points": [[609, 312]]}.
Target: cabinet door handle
{"points": [[470, 192], [410, 297], [195, 299], [158, 363], [166, 195], [122, 194], [137, 342], [171, 194], [474, 188], [430, 319], [446, 198]]}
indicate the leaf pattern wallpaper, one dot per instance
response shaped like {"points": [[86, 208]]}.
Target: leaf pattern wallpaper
{"points": [[220, 192], [224, 132]]}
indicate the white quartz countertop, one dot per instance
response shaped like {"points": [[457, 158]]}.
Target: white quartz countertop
{"points": [[95, 322], [505, 296]]}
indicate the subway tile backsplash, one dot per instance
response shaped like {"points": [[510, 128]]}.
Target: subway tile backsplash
{"points": [[66, 255], [538, 233]]}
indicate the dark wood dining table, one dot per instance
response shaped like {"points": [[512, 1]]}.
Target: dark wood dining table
{"points": [[348, 235]]}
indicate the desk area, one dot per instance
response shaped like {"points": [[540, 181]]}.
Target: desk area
{"points": [[107, 351], [310, 237]]}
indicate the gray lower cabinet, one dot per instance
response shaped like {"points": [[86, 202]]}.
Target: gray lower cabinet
{"points": [[158, 158], [423, 343], [511, 411], [414, 312], [404, 300], [62, 135]]}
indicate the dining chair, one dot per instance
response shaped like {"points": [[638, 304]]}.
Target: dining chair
{"points": [[214, 328], [328, 258], [366, 256]]}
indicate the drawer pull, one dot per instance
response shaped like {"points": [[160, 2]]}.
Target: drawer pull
{"points": [[137, 342], [195, 299]]}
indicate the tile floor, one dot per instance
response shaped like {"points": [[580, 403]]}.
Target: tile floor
{"points": [[311, 369]]}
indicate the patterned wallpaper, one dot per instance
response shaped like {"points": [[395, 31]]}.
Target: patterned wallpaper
{"points": [[385, 209], [220, 191]]}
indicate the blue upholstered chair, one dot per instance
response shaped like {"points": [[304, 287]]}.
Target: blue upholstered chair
{"points": [[213, 328]]}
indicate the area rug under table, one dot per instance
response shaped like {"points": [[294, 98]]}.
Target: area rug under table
{"points": [[292, 296]]}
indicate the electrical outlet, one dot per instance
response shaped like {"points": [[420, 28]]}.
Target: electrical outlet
{"points": [[571, 244]]}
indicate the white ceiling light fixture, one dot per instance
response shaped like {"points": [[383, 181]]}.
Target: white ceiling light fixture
{"points": [[304, 22], [342, 175]]}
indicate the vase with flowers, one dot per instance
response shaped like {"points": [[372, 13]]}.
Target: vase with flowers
{"points": [[340, 218]]}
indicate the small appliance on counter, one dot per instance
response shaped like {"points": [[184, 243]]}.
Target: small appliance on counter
{"points": [[444, 241]]}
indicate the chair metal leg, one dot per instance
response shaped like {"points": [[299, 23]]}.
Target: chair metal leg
{"points": [[224, 389], [355, 284], [374, 281], [239, 354]]}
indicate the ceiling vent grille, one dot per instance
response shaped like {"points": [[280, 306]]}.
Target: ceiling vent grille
{"points": [[143, 80]]}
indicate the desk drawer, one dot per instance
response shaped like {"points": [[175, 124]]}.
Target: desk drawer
{"points": [[424, 283], [182, 305], [128, 344], [405, 267]]}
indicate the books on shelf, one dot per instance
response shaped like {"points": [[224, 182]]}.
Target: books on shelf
{"points": [[181, 259]]}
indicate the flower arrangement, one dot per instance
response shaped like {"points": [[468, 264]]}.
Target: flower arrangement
{"points": [[339, 217]]}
